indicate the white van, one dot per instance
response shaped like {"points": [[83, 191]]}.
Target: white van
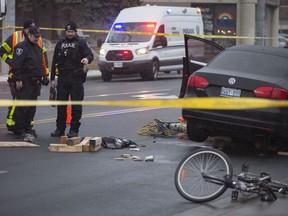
{"points": [[135, 44]]}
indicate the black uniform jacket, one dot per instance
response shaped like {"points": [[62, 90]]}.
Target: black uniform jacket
{"points": [[27, 61], [68, 54]]}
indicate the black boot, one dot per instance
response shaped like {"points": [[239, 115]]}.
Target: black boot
{"points": [[72, 133], [57, 133]]}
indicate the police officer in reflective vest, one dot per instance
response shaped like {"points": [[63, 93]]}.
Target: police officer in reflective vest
{"points": [[28, 75], [70, 56]]}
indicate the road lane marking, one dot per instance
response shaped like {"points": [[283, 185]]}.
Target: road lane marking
{"points": [[93, 115], [3, 172], [155, 96], [127, 93]]}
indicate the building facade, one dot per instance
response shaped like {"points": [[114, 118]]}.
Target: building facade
{"points": [[235, 18]]}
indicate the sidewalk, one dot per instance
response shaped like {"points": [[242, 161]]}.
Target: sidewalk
{"points": [[92, 74]]}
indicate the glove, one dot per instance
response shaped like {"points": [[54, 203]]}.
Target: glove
{"points": [[52, 95], [45, 81]]}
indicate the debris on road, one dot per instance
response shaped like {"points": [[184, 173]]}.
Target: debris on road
{"points": [[160, 128], [149, 158], [112, 142], [129, 157]]}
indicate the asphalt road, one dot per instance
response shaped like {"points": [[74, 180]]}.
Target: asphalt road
{"points": [[34, 181]]}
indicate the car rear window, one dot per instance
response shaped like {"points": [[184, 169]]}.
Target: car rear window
{"points": [[249, 62]]}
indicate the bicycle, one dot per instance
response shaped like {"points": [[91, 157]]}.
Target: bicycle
{"points": [[158, 127], [207, 173]]}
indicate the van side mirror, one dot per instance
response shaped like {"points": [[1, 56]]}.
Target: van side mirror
{"points": [[160, 41], [163, 41], [100, 42]]}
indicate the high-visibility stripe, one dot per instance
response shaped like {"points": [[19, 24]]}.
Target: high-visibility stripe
{"points": [[43, 49], [10, 121], [4, 57], [17, 37], [8, 51], [7, 47]]}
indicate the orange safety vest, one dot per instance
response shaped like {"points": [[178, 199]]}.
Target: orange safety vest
{"points": [[18, 36]]}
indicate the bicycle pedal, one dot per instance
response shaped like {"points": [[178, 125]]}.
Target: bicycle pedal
{"points": [[234, 195], [268, 196], [245, 167]]}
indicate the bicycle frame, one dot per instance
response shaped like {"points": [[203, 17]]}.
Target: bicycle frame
{"points": [[249, 182]]}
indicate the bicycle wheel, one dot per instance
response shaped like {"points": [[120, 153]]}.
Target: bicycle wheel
{"points": [[188, 178]]}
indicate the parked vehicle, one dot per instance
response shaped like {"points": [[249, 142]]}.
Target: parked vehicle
{"points": [[240, 71], [144, 40], [282, 41]]}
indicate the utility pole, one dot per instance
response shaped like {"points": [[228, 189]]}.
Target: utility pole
{"points": [[9, 20], [260, 22]]}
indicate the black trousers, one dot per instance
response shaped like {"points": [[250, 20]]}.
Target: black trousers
{"points": [[71, 85], [20, 119]]}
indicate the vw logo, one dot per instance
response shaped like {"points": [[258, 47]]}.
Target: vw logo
{"points": [[232, 81]]}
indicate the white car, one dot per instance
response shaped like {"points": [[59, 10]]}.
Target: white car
{"points": [[282, 41]]}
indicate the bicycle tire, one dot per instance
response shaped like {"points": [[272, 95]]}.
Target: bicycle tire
{"points": [[188, 178]]}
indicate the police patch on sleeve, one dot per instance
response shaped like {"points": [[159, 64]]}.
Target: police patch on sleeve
{"points": [[19, 51]]}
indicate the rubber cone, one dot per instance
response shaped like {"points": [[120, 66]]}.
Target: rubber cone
{"points": [[69, 111]]}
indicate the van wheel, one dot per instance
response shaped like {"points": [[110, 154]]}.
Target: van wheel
{"points": [[153, 72], [106, 76], [195, 133]]}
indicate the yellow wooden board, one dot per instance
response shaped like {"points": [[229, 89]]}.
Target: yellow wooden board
{"points": [[85, 141], [12, 144], [64, 148], [73, 141], [85, 144]]}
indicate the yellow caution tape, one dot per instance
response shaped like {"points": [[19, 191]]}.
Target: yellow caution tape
{"points": [[145, 33], [195, 103]]}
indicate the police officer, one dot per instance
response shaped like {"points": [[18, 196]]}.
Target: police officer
{"points": [[7, 48], [70, 56], [28, 75], [6, 53]]}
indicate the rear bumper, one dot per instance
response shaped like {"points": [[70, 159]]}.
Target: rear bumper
{"points": [[127, 68], [246, 122]]}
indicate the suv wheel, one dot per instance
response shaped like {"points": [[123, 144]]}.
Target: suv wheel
{"points": [[195, 133]]}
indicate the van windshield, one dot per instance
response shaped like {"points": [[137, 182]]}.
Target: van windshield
{"points": [[136, 32]]}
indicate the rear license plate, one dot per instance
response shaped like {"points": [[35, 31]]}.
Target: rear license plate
{"points": [[230, 92], [118, 64]]}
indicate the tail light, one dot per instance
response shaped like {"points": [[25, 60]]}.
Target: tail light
{"points": [[270, 92], [197, 82]]}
